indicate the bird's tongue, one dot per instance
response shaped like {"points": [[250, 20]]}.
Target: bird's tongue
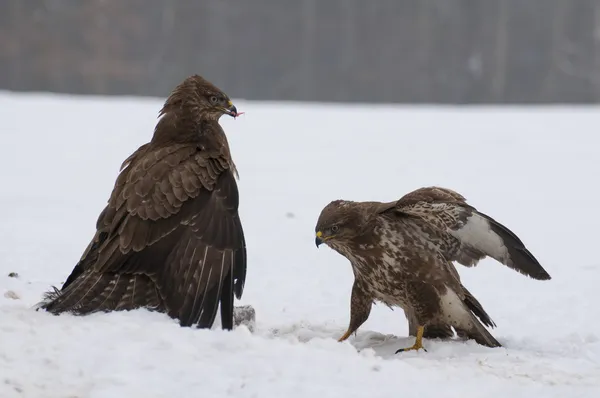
{"points": [[238, 114]]}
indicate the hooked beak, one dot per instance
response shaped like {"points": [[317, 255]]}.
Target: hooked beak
{"points": [[319, 238], [231, 110]]}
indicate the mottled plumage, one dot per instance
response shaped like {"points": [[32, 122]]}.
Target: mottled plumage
{"points": [[402, 253], [170, 237]]}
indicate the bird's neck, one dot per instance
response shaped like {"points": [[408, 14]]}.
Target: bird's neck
{"points": [[175, 128]]}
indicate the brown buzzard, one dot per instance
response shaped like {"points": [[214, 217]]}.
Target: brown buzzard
{"points": [[402, 252], [170, 237]]}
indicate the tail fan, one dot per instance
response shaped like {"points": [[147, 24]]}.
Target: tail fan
{"points": [[94, 292]]}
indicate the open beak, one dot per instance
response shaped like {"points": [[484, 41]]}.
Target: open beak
{"points": [[232, 111], [319, 238]]}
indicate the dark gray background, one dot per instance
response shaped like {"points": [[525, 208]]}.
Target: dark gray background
{"points": [[409, 51]]}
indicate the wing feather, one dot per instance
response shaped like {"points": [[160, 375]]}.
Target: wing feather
{"points": [[467, 235], [173, 217]]}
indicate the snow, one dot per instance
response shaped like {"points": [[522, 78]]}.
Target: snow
{"points": [[534, 169]]}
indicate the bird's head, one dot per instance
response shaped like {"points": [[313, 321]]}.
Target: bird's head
{"points": [[339, 222], [198, 98]]}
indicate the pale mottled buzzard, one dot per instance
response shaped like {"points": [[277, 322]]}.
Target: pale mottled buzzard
{"points": [[170, 238], [402, 252]]}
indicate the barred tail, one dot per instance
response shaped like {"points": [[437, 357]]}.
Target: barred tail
{"points": [[93, 292]]}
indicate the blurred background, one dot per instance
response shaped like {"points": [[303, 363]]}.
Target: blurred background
{"points": [[394, 51]]}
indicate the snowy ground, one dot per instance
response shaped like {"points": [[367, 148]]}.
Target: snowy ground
{"points": [[536, 170]]}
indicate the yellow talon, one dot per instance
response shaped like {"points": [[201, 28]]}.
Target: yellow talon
{"points": [[345, 336], [418, 342]]}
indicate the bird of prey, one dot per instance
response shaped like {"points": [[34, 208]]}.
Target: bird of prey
{"points": [[170, 238], [402, 252]]}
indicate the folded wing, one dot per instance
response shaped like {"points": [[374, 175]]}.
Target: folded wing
{"points": [[170, 233]]}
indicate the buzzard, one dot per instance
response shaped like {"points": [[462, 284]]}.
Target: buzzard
{"points": [[402, 252], [170, 238]]}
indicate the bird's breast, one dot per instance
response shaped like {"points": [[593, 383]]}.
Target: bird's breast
{"points": [[383, 278]]}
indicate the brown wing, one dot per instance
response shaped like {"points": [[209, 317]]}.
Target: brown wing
{"points": [[432, 194], [467, 235], [173, 219]]}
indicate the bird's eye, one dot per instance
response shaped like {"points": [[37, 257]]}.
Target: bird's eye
{"points": [[334, 229], [214, 100]]}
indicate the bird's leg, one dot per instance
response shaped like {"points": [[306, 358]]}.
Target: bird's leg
{"points": [[360, 308], [418, 342], [346, 335]]}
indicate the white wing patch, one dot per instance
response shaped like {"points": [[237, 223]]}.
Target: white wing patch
{"points": [[478, 234]]}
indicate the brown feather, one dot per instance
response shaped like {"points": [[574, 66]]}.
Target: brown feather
{"points": [[469, 235], [401, 254], [170, 236]]}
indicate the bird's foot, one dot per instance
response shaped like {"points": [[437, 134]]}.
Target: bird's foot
{"points": [[415, 347], [418, 342], [345, 336]]}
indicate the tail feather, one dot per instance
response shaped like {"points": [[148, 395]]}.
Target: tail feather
{"points": [[141, 292], [443, 330], [458, 313], [93, 292], [227, 302], [479, 333], [476, 308], [110, 297], [78, 293]]}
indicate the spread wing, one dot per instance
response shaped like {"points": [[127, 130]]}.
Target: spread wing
{"points": [[465, 234], [172, 219]]}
